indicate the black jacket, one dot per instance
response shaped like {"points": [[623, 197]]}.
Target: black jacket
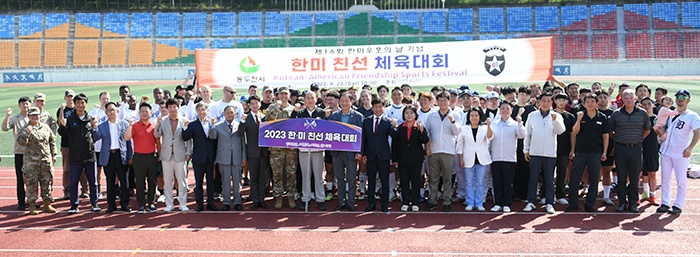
{"points": [[409, 152], [78, 133]]}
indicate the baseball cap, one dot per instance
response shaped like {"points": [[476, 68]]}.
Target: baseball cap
{"points": [[69, 92], [491, 95], [179, 87], [464, 87], [464, 92], [453, 91], [266, 88], [33, 111], [314, 87], [283, 90], [684, 92], [39, 96], [245, 98]]}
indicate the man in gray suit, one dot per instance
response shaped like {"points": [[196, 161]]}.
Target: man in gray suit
{"points": [[115, 153], [345, 163], [174, 153], [230, 155], [258, 157]]}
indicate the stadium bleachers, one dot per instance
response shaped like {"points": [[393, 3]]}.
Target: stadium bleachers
{"points": [[691, 44], [638, 45], [636, 16], [275, 24], [188, 48], [167, 24], [300, 24], [223, 43], [575, 46], [664, 15], [326, 23], [326, 41], [141, 25], [408, 40], [383, 23], [546, 18], [194, 24], [604, 46], [356, 23], [249, 43], [434, 22], [491, 36], [250, 24], [30, 26], [7, 54], [519, 19], [667, 45], [140, 52], [57, 56], [87, 25], [460, 38], [408, 22], [167, 51], [274, 42], [300, 42], [574, 17], [7, 26], [115, 25], [356, 41], [113, 52], [691, 14], [223, 24], [381, 40], [460, 20], [85, 52], [29, 54], [603, 17], [57, 25], [491, 20]]}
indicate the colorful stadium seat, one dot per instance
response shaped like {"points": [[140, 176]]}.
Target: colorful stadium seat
{"points": [[56, 53], [113, 52], [85, 52], [638, 45], [29, 54], [7, 54]]}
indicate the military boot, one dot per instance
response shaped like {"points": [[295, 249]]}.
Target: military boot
{"points": [[278, 202], [48, 208], [32, 208], [292, 203]]}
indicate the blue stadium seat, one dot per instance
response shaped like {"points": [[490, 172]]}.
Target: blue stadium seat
{"points": [[116, 22], [193, 44], [220, 43], [250, 24], [665, 15], [141, 24], [30, 24], [461, 38], [491, 36], [7, 26], [460, 20], [167, 24], [603, 17], [409, 19], [299, 21], [491, 20], [56, 19], [275, 24], [574, 17], [383, 23], [546, 18], [326, 17], [691, 14], [194, 24], [326, 23], [519, 19], [223, 24], [88, 19], [636, 16], [434, 22]]}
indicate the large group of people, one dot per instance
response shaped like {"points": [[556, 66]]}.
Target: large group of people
{"points": [[546, 145]]}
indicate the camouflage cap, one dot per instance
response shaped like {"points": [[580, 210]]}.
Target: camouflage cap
{"points": [[40, 96], [33, 111]]}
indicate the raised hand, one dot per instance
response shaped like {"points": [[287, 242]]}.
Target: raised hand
{"points": [[131, 121], [94, 123], [328, 113], [244, 117], [8, 111], [579, 115], [488, 121], [518, 118], [186, 122], [213, 120], [394, 122], [278, 104], [611, 89], [29, 128], [554, 116], [297, 107], [451, 117], [521, 111], [420, 127]]}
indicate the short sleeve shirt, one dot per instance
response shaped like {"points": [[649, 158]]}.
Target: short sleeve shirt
{"points": [[679, 133], [590, 138]]}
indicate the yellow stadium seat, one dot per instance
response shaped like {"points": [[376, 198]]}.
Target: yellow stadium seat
{"points": [[29, 53], [55, 53], [165, 53], [83, 31], [113, 52], [140, 51], [7, 54], [85, 52], [60, 31]]}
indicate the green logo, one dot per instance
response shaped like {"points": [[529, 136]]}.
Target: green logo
{"points": [[248, 65]]}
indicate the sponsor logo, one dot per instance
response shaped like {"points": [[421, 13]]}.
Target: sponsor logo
{"points": [[248, 65], [494, 60]]}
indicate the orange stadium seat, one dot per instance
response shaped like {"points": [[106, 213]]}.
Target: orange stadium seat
{"points": [[55, 53], [140, 51], [7, 54], [113, 52], [166, 53], [29, 53], [85, 52], [60, 31]]}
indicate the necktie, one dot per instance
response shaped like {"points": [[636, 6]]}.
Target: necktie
{"points": [[256, 119], [230, 127], [376, 124]]}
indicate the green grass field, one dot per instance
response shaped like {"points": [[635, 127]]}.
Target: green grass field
{"points": [[55, 98]]}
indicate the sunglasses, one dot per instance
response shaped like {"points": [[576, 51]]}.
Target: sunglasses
{"points": [[682, 97], [232, 92]]}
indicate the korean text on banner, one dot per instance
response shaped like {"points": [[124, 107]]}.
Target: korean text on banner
{"points": [[446, 63], [310, 133]]}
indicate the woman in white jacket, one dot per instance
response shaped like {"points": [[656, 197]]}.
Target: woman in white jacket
{"points": [[474, 157], [504, 144]]}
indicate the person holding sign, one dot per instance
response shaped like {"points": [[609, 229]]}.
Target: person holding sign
{"points": [[376, 130], [345, 163], [408, 154], [311, 160], [283, 161]]}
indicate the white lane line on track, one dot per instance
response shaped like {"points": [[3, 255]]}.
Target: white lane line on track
{"points": [[325, 213], [394, 253], [335, 230]]}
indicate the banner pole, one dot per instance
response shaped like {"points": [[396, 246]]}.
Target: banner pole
{"points": [[308, 151]]}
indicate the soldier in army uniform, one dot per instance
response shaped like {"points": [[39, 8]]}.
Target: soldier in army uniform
{"points": [[44, 116], [40, 154], [282, 160]]}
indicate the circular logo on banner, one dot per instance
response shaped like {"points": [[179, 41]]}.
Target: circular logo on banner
{"points": [[494, 60], [248, 65]]}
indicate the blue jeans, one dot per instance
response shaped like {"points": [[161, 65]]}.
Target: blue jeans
{"points": [[76, 170], [475, 177]]}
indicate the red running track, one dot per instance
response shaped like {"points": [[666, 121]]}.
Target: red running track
{"points": [[294, 233]]}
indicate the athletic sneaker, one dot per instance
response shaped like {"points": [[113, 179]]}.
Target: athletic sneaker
{"points": [[550, 209], [362, 196], [506, 209], [184, 208], [608, 201], [543, 201], [529, 207], [480, 208], [469, 208], [142, 209], [161, 199], [652, 201], [645, 196], [73, 209], [167, 209], [496, 208], [414, 208], [152, 208], [96, 208], [562, 201], [404, 207]]}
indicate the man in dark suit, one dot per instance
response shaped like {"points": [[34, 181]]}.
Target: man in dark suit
{"points": [[376, 151], [258, 157], [203, 154], [114, 156], [345, 163], [311, 160]]}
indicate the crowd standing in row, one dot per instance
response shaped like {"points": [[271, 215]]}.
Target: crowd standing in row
{"points": [[452, 145]]}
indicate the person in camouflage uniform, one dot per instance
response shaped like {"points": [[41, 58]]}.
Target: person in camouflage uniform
{"points": [[282, 160], [40, 154], [44, 116]]}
